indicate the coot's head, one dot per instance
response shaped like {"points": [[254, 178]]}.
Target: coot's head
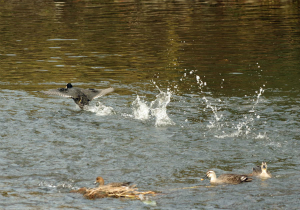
{"points": [[69, 85]]}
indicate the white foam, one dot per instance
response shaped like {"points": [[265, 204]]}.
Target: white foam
{"points": [[140, 109], [100, 109], [157, 109]]}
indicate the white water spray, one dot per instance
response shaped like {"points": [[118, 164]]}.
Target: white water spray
{"points": [[261, 91], [157, 109], [140, 109], [214, 109], [244, 127], [100, 109]]}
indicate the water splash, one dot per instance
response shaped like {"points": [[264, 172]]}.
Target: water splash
{"points": [[140, 109], [200, 83], [242, 128], [262, 136], [261, 91], [214, 109], [157, 109], [100, 109], [246, 124]]}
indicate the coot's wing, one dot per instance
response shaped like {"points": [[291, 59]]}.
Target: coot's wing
{"points": [[96, 93], [64, 92]]}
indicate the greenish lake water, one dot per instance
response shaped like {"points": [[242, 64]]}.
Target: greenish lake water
{"points": [[199, 85]]}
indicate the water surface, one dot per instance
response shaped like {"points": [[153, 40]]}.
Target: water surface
{"points": [[198, 86]]}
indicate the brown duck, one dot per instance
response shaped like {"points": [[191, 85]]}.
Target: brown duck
{"points": [[100, 181], [261, 171], [227, 178]]}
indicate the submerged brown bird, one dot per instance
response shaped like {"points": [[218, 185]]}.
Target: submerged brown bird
{"points": [[80, 96], [100, 181], [227, 178], [261, 171], [82, 190]]}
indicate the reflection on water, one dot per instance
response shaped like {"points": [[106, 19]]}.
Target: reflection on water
{"points": [[199, 85], [128, 41]]}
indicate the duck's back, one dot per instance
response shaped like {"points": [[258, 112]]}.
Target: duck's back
{"points": [[256, 171], [234, 178], [119, 184]]}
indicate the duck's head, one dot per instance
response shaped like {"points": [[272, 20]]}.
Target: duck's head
{"points": [[69, 85], [264, 166], [210, 174], [99, 180]]}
